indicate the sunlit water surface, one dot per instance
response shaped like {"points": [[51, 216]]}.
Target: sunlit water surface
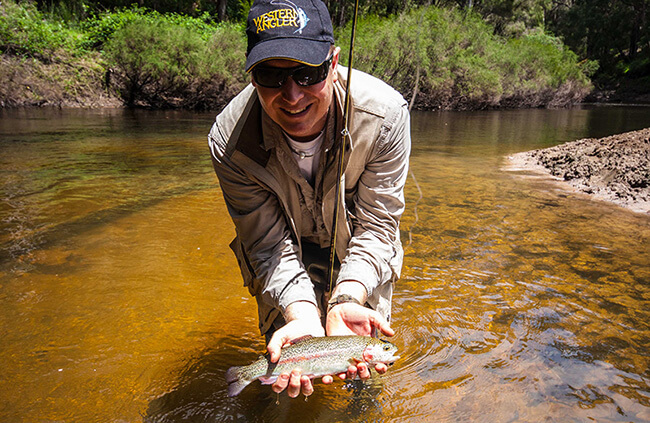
{"points": [[121, 301]]}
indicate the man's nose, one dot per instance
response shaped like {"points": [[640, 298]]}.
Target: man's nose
{"points": [[291, 91]]}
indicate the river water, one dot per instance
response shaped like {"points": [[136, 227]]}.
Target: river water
{"points": [[121, 301]]}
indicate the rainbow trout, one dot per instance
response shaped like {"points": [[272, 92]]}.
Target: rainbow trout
{"points": [[316, 357]]}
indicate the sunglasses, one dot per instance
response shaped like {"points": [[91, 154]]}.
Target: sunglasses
{"points": [[304, 75]]}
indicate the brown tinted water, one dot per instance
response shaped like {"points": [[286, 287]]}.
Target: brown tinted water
{"points": [[121, 301]]}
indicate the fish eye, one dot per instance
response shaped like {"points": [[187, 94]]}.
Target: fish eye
{"points": [[386, 347]]}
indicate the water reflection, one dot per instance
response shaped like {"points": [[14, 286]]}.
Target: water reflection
{"points": [[65, 172], [122, 302]]}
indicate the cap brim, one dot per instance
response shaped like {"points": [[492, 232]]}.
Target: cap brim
{"points": [[309, 52]]}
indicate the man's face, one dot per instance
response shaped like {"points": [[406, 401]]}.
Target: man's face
{"points": [[300, 111]]}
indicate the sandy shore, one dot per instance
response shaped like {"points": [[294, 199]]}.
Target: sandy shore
{"points": [[614, 169]]}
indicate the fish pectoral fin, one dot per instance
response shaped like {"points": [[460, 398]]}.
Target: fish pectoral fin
{"points": [[354, 361], [300, 339], [368, 354]]}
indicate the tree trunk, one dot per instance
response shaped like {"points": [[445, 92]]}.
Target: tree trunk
{"points": [[637, 24], [221, 9]]}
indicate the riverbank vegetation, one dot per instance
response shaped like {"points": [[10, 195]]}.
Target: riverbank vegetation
{"points": [[190, 54], [451, 59]]}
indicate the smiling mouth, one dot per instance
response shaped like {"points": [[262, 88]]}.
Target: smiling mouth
{"points": [[296, 112]]}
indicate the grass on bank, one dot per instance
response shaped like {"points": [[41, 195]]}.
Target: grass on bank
{"points": [[445, 58]]}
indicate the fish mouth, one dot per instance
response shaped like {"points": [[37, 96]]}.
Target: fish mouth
{"points": [[392, 360]]}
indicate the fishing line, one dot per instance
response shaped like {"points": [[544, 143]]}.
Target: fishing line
{"points": [[415, 211], [344, 134]]}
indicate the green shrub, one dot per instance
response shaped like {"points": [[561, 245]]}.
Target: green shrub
{"points": [[452, 56], [24, 31], [537, 62], [169, 65], [100, 28], [457, 60]]}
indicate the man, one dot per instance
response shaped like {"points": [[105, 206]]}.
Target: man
{"points": [[275, 149]]}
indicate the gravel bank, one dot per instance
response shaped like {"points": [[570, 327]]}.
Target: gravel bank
{"points": [[614, 168]]}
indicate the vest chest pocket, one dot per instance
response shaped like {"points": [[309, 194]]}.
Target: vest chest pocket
{"points": [[245, 267]]}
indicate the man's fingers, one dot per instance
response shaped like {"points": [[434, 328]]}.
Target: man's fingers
{"points": [[387, 330], [381, 368], [294, 384], [306, 386], [281, 383], [327, 380], [352, 372], [275, 346], [274, 353], [382, 324], [363, 371], [277, 342]]}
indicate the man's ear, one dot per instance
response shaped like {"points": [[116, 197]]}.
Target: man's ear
{"points": [[335, 62]]}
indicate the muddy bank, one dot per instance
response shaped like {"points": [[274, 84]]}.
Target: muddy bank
{"points": [[625, 91], [614, 168], [28, 82], [68, 81]]}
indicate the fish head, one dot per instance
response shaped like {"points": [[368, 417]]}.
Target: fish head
{"points": [[380, 351]]}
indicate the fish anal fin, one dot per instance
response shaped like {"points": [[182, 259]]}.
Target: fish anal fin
{"points": [[268, 380]]}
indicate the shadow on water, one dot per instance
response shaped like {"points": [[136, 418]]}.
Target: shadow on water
{"points": [[201, 395], [18, 248], [68, 172]]}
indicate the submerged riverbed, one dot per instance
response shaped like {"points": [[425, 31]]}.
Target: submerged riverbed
{"points": [[122, 302]]}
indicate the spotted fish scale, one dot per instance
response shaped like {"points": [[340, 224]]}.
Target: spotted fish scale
{"points": [[315, 357]]}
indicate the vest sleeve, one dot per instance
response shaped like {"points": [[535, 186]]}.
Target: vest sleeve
{"points": [[374, 255]]}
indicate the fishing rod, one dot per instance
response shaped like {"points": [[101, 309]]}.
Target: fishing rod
{"points": [[344, 134]]}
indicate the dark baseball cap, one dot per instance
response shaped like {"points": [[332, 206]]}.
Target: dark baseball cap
{"points": [[299, 30]]}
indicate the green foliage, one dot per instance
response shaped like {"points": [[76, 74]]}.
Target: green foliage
{"points": [[513, 17], [79, 10], [100, 27], [453, 55], [458, 61], [64, 10], [25, 31], [167, 64]]}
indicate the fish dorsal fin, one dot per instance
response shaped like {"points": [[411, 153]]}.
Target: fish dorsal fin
{"points": [[300, 339]]}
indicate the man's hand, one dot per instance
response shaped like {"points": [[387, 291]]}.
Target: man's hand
{"points": [[302, 320], [353, 319]]}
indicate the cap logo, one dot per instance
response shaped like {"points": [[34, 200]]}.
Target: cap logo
{"points": [[291, 16]]}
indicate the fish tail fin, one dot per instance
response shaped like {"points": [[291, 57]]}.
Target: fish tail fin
{"points": [[236, 383], [233, 374]]}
